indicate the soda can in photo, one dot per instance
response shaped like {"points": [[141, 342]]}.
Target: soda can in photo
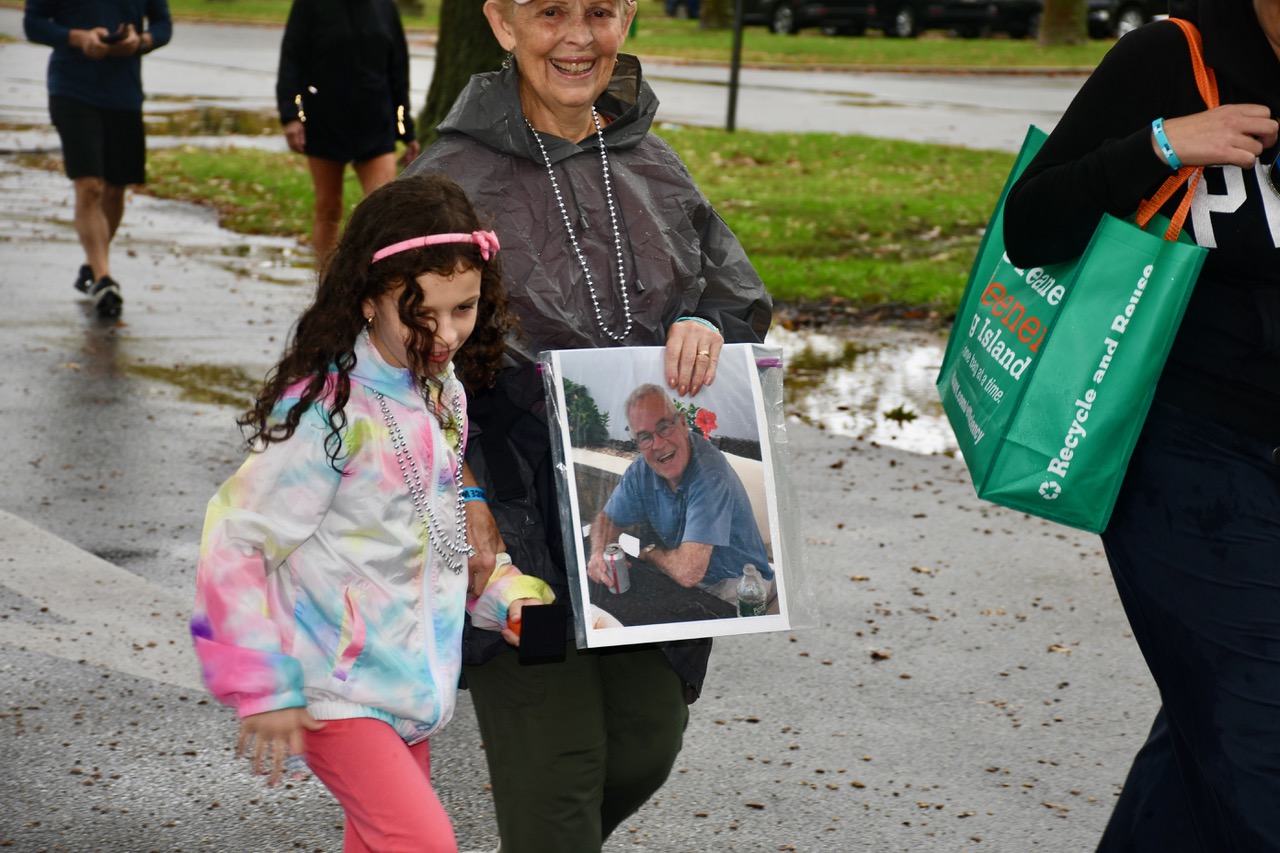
{"points": [[617, 569]]}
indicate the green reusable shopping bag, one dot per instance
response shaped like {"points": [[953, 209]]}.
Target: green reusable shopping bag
{"points": [[1049, 371]]}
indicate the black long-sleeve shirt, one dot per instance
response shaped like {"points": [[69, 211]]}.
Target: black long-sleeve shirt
{"points": [[1225, 362], [344, 70]]}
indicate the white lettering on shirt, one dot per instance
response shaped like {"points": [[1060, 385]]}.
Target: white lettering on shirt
{"points": [[1205, 203]]}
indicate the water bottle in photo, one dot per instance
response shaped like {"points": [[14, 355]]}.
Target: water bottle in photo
{"points": [[752, 598]]}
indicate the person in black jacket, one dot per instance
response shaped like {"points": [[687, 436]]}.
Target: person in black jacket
{"points": [[1194, 542], [343, 95]]}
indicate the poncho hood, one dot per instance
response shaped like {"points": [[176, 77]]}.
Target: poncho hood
{"points": [[489, 111], [678, 256]]}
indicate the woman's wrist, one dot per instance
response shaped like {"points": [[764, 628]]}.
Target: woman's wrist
{"points": [[710, 325], [1162, 145]]}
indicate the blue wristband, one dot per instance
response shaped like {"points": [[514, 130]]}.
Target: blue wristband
{"points": [[710, 325], [1162, 141], [472, 493]]}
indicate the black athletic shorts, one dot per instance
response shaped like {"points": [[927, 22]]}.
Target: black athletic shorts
{"points": [[97, 143]]}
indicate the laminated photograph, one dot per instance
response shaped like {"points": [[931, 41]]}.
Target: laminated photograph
{"points": [[669, 503]]}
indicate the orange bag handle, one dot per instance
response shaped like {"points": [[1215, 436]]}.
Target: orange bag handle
{"points": [[1207, 83]]}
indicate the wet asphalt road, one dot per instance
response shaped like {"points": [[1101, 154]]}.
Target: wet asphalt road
{"points": [[969, 684]]}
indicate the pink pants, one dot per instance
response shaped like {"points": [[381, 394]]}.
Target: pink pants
{"points": [[384, 786]]}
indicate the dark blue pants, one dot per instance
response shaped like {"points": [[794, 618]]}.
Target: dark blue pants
{"points": [[1194, 546]]}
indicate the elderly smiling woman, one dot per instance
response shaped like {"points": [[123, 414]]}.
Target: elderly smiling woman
{"points": [[606, 241]]}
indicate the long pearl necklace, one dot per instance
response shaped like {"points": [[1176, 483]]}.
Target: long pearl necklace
{"points": [[451, 550], [573, 240]]}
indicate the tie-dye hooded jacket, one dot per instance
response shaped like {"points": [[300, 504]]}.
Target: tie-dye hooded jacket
{"points": [[314, 587]]}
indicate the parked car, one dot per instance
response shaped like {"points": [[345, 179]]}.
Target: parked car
{"points": [[846, 17], [1018, 18], [908, 18], [1107, 18], [1114, 18], [681, 8]]}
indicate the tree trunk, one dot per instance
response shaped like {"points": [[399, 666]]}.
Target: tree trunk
{"points": [[464, 46], [1064, 22], [715, 15]]}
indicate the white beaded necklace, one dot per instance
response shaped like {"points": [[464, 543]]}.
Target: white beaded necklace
{"points": [[451, 550], [573, 240]]}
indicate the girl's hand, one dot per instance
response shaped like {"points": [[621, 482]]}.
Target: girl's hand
{"points": [[515, 619], [693, 351], [274, 735], [1232, 134]]}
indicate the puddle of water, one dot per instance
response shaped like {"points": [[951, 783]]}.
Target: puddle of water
{"points": [[867, 103], [277, 264], [204, 383], [868, 382]]}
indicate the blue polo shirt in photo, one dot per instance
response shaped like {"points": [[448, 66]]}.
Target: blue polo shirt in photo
{"points": [[710, 507]]}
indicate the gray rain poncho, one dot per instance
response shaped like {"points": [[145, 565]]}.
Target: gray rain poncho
{"points": [[679, 257]]}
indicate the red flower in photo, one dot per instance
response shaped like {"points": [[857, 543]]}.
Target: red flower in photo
{"points": [[705, 421]]}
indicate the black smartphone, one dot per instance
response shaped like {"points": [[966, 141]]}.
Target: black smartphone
{"points": [[112, 38]]}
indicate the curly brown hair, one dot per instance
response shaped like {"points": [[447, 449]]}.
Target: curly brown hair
{"points": [[321, 348]]}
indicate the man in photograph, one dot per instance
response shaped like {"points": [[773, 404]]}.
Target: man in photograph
{"points": [[681, 493]]}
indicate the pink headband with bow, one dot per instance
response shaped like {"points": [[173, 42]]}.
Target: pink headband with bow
{"points": [[486, 240]]}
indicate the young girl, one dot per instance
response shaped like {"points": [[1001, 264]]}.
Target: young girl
{"points": [[333, 569]]}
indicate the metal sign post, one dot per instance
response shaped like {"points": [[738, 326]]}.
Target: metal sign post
{"points": [[734, 62]]}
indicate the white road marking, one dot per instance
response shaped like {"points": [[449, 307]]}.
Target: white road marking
{"points": [[114, 618]]}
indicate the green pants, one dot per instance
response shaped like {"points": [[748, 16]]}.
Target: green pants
{"points": [[575, 747]]}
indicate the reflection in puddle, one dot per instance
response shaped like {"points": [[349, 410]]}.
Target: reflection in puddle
{"points": [[279, 264], [867, 382]]}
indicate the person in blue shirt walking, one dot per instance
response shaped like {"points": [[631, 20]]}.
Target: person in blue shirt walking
{"points": [[95, 101], [688, 495]]}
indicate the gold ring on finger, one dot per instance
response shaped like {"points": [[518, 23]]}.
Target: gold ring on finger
{"points": [[705, 352]]}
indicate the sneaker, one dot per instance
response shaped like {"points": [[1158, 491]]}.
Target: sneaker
{"points": [[84, 281], [106, 297]]}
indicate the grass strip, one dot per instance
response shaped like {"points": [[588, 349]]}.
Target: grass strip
{"points": [[657, 35], [868, 220]]}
